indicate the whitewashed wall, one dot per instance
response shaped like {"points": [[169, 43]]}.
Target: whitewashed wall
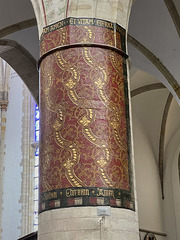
{"points": [[11, 215], [156, 214], [149, 198]]}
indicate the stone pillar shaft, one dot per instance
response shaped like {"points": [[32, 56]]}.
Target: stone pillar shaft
{"points": [[3, 108]]}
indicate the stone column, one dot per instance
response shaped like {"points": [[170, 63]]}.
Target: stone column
{"points": [[4, 101], [3, 108], [86, 165]]}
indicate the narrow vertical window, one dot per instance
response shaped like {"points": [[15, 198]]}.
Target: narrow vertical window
{"points": [[36, 170]]}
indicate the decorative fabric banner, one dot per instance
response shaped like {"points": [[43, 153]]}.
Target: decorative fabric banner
{"points": [[85, 145]]}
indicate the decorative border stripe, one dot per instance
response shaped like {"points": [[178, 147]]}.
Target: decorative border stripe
{"points": [[77, 45], [85, 22], [89, 196]]}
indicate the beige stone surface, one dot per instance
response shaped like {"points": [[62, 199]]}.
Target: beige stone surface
{"points": [[83, 223], [38, 10]]}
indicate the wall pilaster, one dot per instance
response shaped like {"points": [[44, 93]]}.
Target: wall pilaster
{"points": [[3, 108], [4, 100]]}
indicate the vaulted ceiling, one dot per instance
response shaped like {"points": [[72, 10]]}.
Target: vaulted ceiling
{"points": [[154, 42]]}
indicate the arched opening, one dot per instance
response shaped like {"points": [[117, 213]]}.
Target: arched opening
{"points": [[18, 154]]}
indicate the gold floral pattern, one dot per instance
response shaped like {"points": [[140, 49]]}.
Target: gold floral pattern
{"points": [[84, 113]]}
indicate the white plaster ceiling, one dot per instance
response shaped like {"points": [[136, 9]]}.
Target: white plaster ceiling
{"points": [[177, 4], [148, 108], [140, 78], [151, 24], [14, 11], [28, 38], [173, 122]]}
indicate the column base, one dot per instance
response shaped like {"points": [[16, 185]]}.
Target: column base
{"points": [[82, 223]]}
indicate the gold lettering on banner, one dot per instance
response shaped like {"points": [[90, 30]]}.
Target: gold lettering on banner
{"points": [[85, 21], [88, 21], [45, 30], [105, 192], [57, 25], [71, 21], [77, 192], [49, 195], [102, 23], [80, 21]]}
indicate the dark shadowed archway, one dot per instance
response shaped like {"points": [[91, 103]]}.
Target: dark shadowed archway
{"points": [[23, 63]]}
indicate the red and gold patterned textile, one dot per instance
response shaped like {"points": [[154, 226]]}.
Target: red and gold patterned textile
{"points": [[85, 152]]}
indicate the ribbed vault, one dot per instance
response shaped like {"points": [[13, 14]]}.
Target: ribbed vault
{"points": [[23, 63]]}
